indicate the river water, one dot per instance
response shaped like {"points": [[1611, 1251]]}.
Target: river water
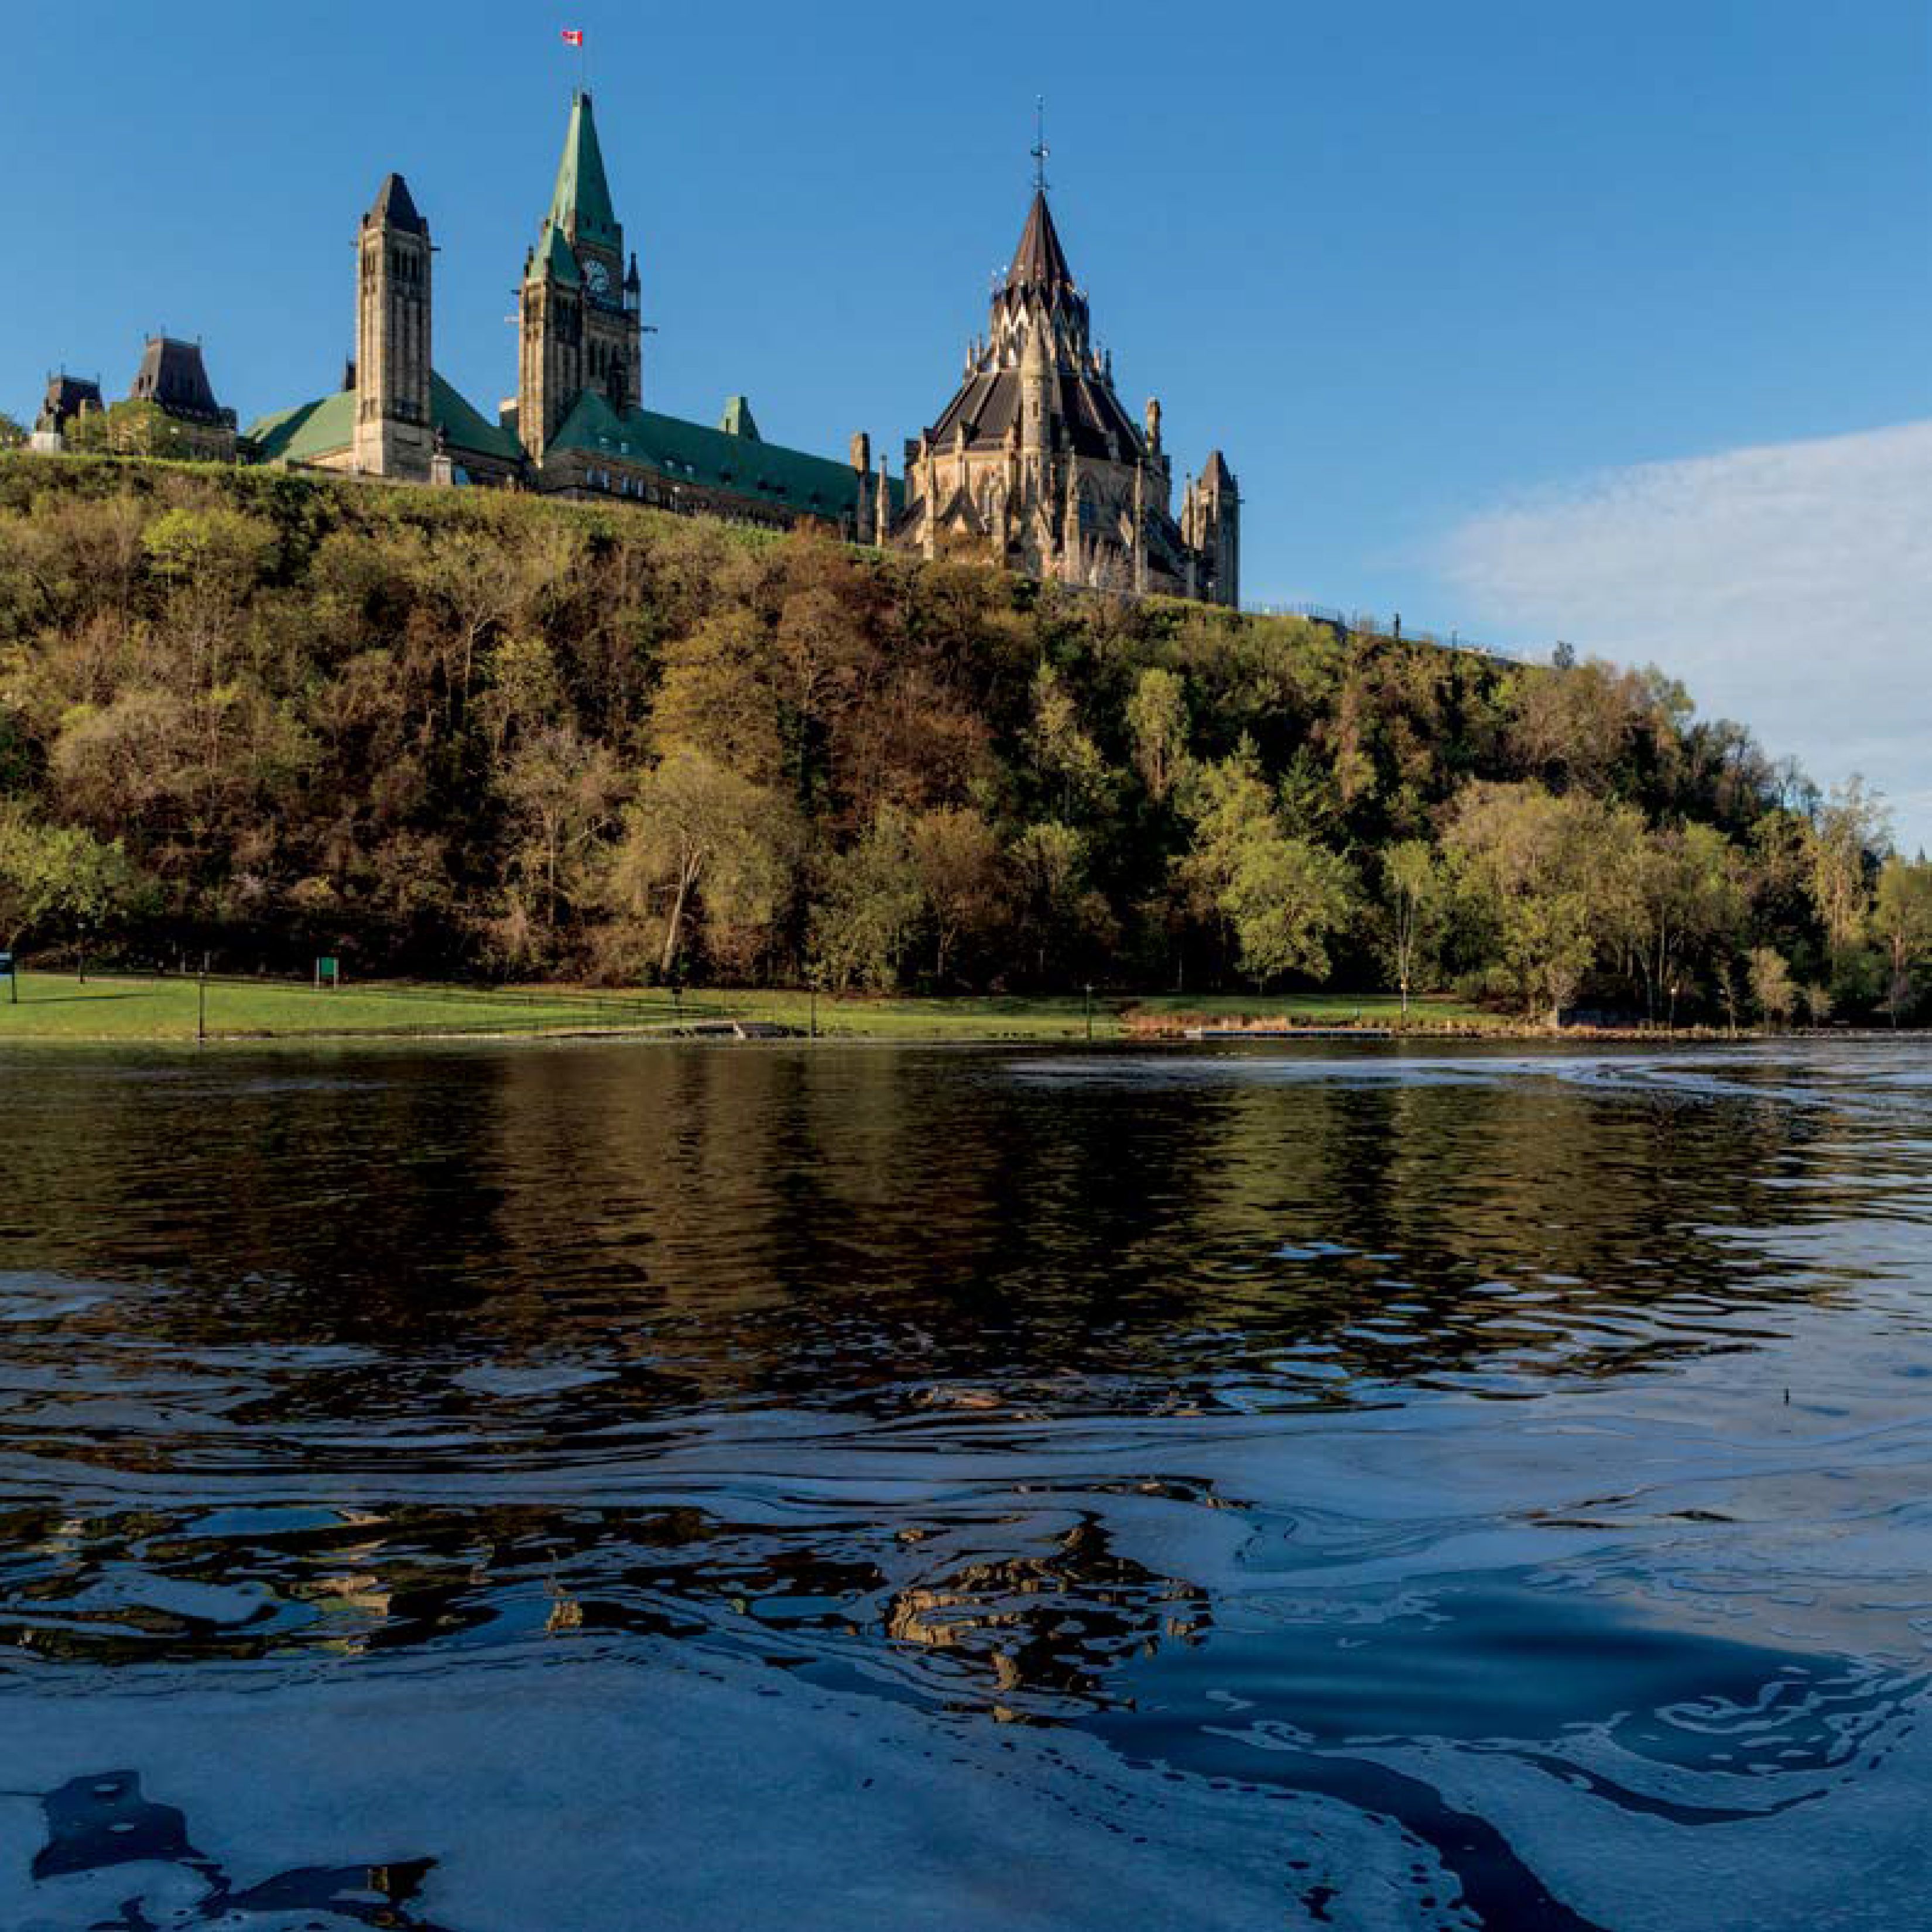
{"points": [[586, 1487]]}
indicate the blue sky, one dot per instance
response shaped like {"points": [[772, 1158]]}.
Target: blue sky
{"points": [[1509, 317]]}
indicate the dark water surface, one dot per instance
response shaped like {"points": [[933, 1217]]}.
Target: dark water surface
{"points": [[606, 1487]]}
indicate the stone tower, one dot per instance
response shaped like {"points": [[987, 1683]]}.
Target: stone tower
{"points": [[1211, 521], [1037, 464], [394, 435], [581, 325]]}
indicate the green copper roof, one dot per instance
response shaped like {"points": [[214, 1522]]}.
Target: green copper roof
{"points": [[325, 427], [308, 431], [736, 420], [581, 205], [553, 257], [466, 428], [716, 458]]}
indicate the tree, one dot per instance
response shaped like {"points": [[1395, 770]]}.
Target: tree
{"points": [[55, 878], [1049, 861], [1902, 916], [1065, 754], [563, 791], [1281, 896], [1771, 984], [1157, 721], [869, 907], [696, 827], [1286, 898], [1849, 828], [956, 854], [1685, 896], [13, 435], [1545, 868], [1412, 893]]}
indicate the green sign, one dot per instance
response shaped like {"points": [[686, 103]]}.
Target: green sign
{"points": [[328, 973]]}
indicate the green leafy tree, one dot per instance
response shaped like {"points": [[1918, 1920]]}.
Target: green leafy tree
{"points": [[1066, 755], [1773, 989], [1282, 897], [1686, 897], [698, 833], [1412, 902], [1902, 917], [1157, 723], [1547, 867], [56, 880], [1850, 828], [869, 907], [956, 852]]}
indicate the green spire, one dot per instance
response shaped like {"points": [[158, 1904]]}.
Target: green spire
{"points": [[581, 206]]}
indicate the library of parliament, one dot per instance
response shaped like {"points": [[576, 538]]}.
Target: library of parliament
{"points": [[1034, 463]]}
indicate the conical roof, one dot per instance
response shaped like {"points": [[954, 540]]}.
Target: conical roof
{"points": [[1039, 262], [580, 206], [394, 207]]}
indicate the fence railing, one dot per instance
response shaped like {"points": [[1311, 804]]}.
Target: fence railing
{"points": [[1368, 624]]}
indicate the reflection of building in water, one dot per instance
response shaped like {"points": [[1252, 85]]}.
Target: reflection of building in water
{"points": [[1052, 1627]]}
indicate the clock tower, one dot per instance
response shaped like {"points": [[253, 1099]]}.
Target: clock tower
{"points": [[581, 327]]}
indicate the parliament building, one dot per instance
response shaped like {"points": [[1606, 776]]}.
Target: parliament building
{"points": [[1034, 464]]}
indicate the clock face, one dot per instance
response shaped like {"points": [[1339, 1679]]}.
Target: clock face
{"points": [[597, 277]]}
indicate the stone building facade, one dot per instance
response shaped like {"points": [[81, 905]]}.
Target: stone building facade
{"points": [[577, 426], [1036, 464]]}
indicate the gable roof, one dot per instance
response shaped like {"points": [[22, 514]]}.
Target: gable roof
{"points": [[715, 459], [580, 203], [326, 427], [307, 432]]}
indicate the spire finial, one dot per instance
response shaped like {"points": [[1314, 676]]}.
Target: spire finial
{"points": [[1040, 150]]}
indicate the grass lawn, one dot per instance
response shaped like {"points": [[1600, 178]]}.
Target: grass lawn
{"points": [[1056, 1016], [1376, 1009], [58, 1006]]}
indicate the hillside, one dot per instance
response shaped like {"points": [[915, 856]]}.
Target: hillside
{"points": [[471, 733]]}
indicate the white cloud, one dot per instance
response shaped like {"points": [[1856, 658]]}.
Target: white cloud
{"points": [[1789, 586]]}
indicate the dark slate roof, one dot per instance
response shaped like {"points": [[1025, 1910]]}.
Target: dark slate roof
{"points": [[1088, 411], [66, 396], [395, 208], [1039, 262], [1216, 473], [173, 374], [580, 205], [764, 473]]}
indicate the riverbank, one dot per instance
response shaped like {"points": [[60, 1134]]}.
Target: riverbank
{"points": [[57, 1009]]}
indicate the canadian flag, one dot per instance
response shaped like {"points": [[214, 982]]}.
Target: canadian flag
{"points": [[573, 36]]}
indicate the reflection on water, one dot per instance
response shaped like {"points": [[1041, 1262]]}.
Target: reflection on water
{"points": [[1522, 1457]]}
